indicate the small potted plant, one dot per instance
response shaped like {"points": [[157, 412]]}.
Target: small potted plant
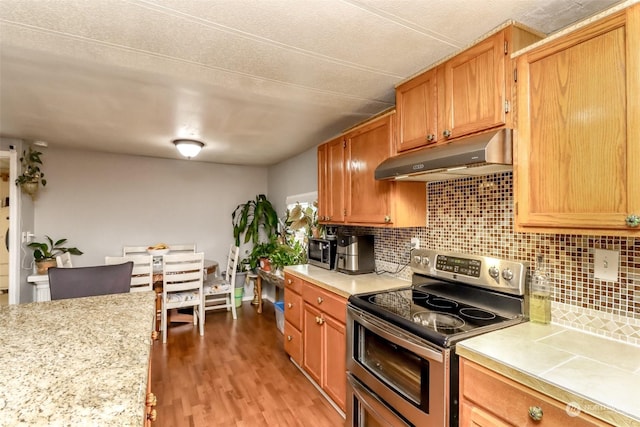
{"points": [[45, 253], [31, 176], [284, 255], [260, 255]]}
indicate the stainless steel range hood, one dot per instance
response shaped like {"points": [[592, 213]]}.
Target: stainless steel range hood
{"points": [[477, 155]]}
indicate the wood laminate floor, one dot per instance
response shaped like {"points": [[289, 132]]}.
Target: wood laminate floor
{"points": [[236, 375]]}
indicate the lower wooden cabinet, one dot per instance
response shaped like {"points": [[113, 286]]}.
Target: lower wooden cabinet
{"points": [[319, 346], [488, 399]]}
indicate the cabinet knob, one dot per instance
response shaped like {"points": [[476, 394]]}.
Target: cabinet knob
{"points": [[153, 415], [387, 218], [152, 399], [446, 133], [320, 320], [535, 412], [289, 337], [431, 137], [320, 300], [154, 335], [289, 281], [633, 220], [289, 305]]}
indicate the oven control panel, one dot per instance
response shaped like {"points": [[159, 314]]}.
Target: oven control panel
{"points": [[504, 275], [453, 264]]}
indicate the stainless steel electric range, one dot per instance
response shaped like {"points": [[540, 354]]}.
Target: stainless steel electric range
{"points": [[401, 363]]}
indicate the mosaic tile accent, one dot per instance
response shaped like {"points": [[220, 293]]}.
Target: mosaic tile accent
{"points": [[475, 215]]}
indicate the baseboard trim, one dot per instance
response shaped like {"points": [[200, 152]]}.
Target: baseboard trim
{"points": [[331, 402]]}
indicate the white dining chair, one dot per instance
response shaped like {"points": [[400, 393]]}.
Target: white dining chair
{"points": [[134, 250], [182, 280], [219, 291], [142, 274], [64, 260], [182, 248]]}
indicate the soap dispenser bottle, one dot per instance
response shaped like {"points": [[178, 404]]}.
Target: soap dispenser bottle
{"points": [[540, 294]]}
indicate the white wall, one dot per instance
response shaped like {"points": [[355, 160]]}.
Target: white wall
{"points": [[296, 175], [101, 202]]}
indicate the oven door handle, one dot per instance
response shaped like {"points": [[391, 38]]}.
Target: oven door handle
{"points": [[404, 341], [378, 409]]}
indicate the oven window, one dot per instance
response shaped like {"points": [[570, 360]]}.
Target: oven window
{"points": [[397, 367]]}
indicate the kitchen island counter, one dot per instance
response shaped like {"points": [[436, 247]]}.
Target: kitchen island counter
{"points": [[345, 285], [596, 375], [81, 361]]}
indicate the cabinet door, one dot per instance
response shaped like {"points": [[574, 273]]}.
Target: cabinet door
{"points": [[416, 109], [474, 88], [324, 191], [578, 146], [312, 344], [335, 371], [331, 181], [368, 200]]}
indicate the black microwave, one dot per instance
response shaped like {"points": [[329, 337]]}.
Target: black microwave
{"points": [[322, 253]]}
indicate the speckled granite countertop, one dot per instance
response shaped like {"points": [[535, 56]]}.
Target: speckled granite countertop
{"points": [[600, 375], [76, 362], [345, 284]]}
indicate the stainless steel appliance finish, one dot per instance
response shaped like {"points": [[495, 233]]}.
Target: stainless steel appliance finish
{"points": [[322, 253], [477, 155], [355, 254], [401, 361]]}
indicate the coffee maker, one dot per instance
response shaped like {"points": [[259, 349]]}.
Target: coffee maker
{"points": [[355, 254]]}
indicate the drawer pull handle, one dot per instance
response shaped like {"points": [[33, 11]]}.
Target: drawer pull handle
{"points": [[289, 337], [153, 415], [289, 281], [289, 305], [320, 300], [535, 412]]}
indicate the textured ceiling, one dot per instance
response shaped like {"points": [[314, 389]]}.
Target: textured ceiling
{"points": [[258, 81]]}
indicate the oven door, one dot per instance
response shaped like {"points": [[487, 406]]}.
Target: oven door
{"points": [[410, 375]]}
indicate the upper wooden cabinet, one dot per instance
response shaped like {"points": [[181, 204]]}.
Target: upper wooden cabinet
{"points": [[416, 108], [578, 142], [379, 203], [331, 181], [468, 93], [347, 190]]}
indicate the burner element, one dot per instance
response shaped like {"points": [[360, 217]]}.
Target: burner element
{"points": [[438, 321], [440, 302], [477, 313]]}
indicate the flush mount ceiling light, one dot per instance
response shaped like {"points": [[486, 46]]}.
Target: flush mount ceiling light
{"points": [[188, 147]]}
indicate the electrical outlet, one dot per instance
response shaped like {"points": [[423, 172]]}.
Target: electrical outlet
{"points": [[415, 243], [606, 265], [27, 237]]}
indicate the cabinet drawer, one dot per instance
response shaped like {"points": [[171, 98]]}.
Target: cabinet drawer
{"points": [[510, 401], [293, 342], [293, 308], [328, 302], [293, 283]]}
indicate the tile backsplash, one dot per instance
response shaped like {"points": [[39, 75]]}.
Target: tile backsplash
{"points": [[475, 215]]}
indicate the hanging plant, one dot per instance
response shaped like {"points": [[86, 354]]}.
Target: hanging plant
{"points": [[31, 176]]}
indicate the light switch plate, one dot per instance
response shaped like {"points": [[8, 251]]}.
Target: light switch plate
{"points": [[415, 242], [606, 265]]}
